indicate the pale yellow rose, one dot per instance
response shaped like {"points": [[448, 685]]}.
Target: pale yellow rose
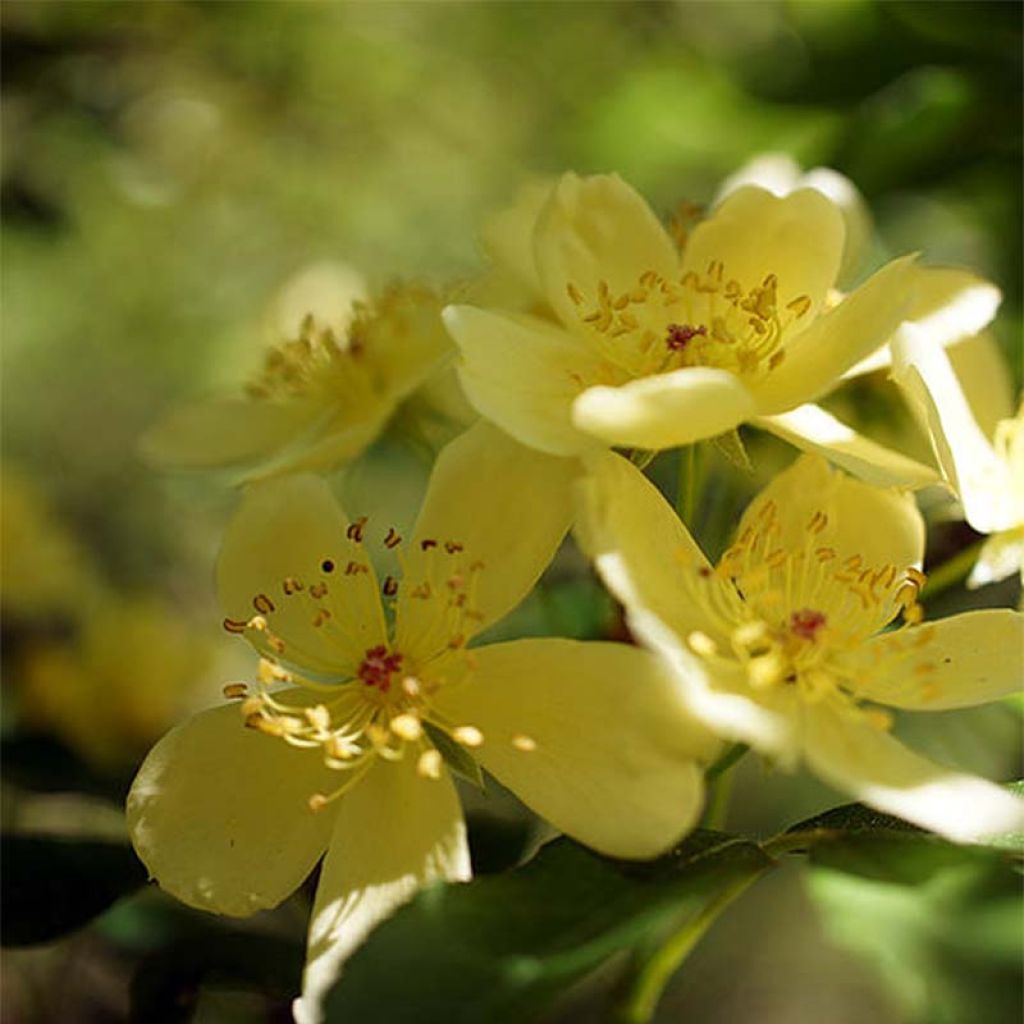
{"points": [[786, 644], [345, 758]]}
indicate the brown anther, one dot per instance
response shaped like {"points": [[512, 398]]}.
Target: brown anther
{"points": [[275, 643], [318, 591], [678, 336], [393, 539], [800, 305], [355, 530], [290, 585], [390, 588], [321, 617], [422, 591], [355, 568], [253, 721], [234, 691], [777, 359], [457, 641], [452, 547], [427, 544], [235, 625], [456, 581], [263, 604], [916, 576], [477, 566], [575, 296]]}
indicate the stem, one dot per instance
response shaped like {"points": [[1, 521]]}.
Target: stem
{"points": [[951, 572], [726, 761], [686, 494], [656, 973]]}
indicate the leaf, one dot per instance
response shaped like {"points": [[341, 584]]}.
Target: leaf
{"points": [[52, 886], [458, 759], [499, 947], [940, 922]]}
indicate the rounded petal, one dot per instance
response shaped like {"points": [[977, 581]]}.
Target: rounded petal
{"points": [[597, 229], [666, 410], [644, 554], [613, 758], [811, 429], [986, 380], [966, 659], [797, 237], [394, 832], [968, 460], [872, 766], [881, 525], [524, 374], [817, 358], [290, 530], [224, 432], [492, 519], [219, 814], [507, 235]]}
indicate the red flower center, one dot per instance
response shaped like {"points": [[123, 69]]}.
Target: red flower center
{"points": [[378, 666], [806, 623]]}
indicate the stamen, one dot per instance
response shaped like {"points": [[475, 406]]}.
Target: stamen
{"points": [[429, 764], [468, 735]]}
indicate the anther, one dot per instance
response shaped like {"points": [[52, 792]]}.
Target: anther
{"points": [[318, 591], [393, 539], [290, 585], [263, 604], [234, 691], [427, 544], [317, 802], [701, 644], [355, 530], [680, 335], [235, 625], [468, 735], [355, 568], [429, 764], [390, 587], [452, 547], [524, 743], [406, 727], [321, 617], [411, 685]]}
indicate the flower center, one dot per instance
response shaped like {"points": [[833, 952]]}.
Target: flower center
{"points": [[663, 324], [377, 668]]}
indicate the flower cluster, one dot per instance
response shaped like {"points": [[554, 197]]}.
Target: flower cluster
{"points": [[599, 338]]}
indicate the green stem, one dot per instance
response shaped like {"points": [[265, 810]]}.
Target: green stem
{"points": [[719, 779], [686, 494], [646, 992], [950, 573]]}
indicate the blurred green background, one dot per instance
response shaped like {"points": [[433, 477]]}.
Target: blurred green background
{"points": [[168, 167]]}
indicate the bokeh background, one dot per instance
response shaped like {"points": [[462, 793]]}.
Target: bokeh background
{"points": [[169, 168]]}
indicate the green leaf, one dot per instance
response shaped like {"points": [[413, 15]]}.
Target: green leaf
{"points": [[940, 922], [456, 756], [499, 947], [52, 886]]}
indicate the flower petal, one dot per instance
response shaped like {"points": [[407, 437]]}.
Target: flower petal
{"points": [[225, 431], [1001, 556], [872, 766], [817, 358], [507, 235], [492, 501], [613, 754], [291, 529], [949, 306], [394, 832], [882, 525], [219, 815], [524, 374], [644, 554], [597, 229], [955, 662], [798, 238], [665, 410], [812, 429], [985, 379], [968, 460]]}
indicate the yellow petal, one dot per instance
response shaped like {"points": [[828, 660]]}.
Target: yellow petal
{"points": [[956, 662], [524, 374], [507, 236], [1001, 556], [224, 432], [872, 766], [219, 815], [492, 519], [798, 237], [394, 832], [882, 525], [985, 379], [644, 554], [593, 736], [968, 460], [812, 429], [817, 358], [290, 530], [950, 305], [780, 175], [666, 410], [597, 229]]}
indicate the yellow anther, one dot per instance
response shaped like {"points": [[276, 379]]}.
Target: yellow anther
{"points": [[317, 802], [574, 293], [251, 706], [527, 744], [468, 735], [800, 305], [429, 764], [701, 644], [407, 727], [319, 717], [411, 685]]}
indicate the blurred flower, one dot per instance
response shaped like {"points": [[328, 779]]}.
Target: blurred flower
{"points": [[130, 674], [984, 467], [591, 735], [326, 394], [785, 643]]}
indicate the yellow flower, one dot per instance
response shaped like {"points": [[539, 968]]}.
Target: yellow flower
{"points": [[588, 734], [982, 462], [643, 338], [785, 643], [322, 397]]}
